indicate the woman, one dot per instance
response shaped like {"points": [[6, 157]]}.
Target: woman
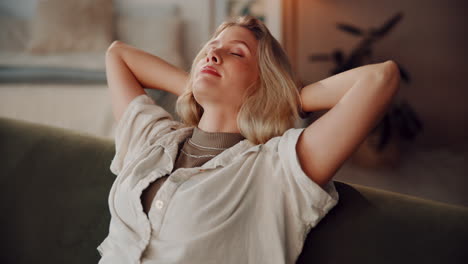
{"points": [[234, 182]]}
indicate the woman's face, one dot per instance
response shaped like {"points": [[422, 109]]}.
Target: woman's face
{"points": [[228, 68]]}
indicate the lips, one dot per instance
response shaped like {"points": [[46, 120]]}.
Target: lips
{"points": [[210, 70]]}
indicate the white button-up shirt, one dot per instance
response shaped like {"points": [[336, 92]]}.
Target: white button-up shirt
{"points": [[249, 204]]}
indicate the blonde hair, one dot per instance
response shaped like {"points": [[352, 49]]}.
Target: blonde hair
{"points": [[271, 105]]}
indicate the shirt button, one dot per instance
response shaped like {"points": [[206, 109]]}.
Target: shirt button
{"points": [[159, 204]]}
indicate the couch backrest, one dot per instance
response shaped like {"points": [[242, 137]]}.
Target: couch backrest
{"points": [[55, 184], [53, 194], [369, 225]]}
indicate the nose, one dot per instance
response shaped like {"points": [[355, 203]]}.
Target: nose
{"points": [[213, 56]]}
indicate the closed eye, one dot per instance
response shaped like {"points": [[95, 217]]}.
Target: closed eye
{"points": [[236, 54]]}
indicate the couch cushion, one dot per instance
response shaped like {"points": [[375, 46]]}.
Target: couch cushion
{"points": [[160, 36], [71, 25]]}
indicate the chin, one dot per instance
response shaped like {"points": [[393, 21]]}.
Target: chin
{"points": [[202, 93], [204, 85], [206, 80]]}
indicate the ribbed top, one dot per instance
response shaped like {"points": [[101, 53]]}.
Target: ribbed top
{"points": [[223, 140]]}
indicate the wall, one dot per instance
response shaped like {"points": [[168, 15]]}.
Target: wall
{"points": [[430, 41]]}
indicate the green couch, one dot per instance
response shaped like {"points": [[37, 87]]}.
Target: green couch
{"points": [[55, 183]]}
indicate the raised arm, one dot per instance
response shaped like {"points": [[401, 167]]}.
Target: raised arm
{"points": [[129, 69], [328, 142], [326, 93]]}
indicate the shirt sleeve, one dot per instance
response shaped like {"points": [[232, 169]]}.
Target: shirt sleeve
{"points": [[142, 122], [310, 201]]}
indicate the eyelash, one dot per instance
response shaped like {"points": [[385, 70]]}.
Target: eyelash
{"points": [[235, 54]]}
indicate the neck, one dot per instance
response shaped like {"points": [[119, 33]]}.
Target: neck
{"points": [[219, 121]]}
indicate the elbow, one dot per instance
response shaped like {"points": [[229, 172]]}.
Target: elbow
{"points": [[114, 52], [113, 47], [389, 73], [393, 74], [388, 69], [391, 69]]}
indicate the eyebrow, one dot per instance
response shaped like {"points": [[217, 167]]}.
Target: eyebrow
{"points": [[235, 41]]}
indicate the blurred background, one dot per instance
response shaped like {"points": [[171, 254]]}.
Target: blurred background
{"points": [[52, 70]]}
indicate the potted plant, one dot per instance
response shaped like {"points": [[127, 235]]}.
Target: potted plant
{"points": [[400, 123]]}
